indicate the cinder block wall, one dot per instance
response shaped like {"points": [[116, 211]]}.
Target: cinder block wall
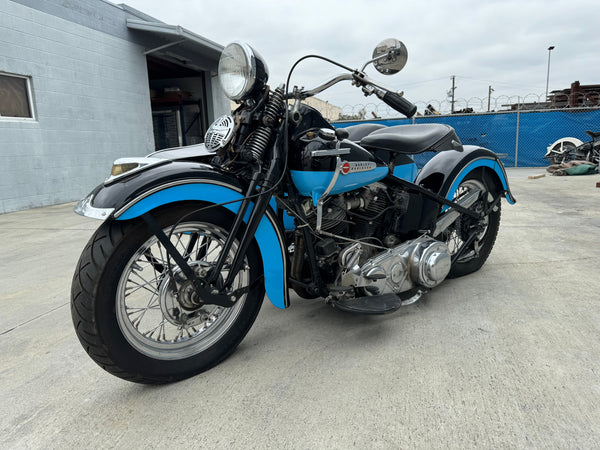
{"points": [[91, 101]]}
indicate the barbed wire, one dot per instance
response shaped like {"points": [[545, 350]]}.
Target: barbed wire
{"points": [[502, 103]]}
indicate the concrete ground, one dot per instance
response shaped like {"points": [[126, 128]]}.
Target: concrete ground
{"points": [[508, 357]]}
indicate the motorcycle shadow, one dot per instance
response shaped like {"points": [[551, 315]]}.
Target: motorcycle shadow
{"points": [[316, 323], [309, 334]]}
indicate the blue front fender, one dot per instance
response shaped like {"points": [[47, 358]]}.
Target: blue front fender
{"points": [[268, 235]]}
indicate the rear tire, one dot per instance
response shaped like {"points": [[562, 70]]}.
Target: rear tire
{"points": [[478, 252], [122, 303]]}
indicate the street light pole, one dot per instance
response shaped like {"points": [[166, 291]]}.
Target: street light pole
{"points": [[548, 74]]}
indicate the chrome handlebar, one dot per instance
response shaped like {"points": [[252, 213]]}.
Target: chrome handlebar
{"points": [[358, 78]]}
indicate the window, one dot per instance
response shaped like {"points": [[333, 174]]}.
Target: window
{"points": [[15, 97]]}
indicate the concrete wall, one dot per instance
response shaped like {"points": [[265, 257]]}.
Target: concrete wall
{"points": [[91, 101]]}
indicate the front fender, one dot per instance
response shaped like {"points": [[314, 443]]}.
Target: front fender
{"points": [[205, 188], [445, 171]]}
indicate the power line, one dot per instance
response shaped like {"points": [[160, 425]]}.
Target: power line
{"points": [[499, 82], [416, 83]]}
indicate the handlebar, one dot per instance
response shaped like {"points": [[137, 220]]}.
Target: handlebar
{"points": [[327, 84], [388, 96], [399, 103]]}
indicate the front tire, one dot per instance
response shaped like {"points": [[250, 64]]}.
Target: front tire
{"points": [[123, 301]]}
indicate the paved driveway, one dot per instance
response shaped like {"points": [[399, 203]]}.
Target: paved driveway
{"points": [[506, 357]]}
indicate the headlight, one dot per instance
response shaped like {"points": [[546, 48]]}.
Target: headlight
{"points": [[241, 71]]}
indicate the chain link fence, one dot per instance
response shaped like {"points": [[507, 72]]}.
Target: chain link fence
{"points": [[520, 133]]}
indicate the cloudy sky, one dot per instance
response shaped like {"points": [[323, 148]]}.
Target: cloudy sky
{"points": [[502, 43]]}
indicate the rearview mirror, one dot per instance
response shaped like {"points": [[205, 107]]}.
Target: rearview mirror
{"points": [[390, 56]]}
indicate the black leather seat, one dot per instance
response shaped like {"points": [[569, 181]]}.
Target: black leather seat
{"points": [[411, 139], [593, 134], [357, 132]]}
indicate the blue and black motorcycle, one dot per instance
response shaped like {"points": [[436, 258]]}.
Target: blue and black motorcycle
{"points": [[193, 239]]}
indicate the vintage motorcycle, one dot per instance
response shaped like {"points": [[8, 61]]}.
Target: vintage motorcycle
{"points": [[194, 238], [572, 149]]}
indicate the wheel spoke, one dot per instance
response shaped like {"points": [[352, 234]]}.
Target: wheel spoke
{"points": [[157, 265], [158, 328], [190, 247], [460, 233], [202, 246], [137, 286]]}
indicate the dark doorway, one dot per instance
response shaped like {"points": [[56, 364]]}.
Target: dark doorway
{"points": [[178, 99]]}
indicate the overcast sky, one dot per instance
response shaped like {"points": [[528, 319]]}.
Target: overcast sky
{"points": [[499, 43]]}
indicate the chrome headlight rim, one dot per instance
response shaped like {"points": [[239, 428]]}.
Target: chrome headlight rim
{"points": [[242, 71], [249, 67]]}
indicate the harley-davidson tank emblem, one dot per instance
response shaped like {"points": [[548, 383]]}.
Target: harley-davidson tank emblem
{"points": [[357, 166]]}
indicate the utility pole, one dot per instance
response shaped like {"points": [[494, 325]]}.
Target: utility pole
{"points": [[490, 90], [548, 74], [452, 94]]}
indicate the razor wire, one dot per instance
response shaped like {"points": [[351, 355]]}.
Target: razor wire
{"points": [[472, 105]]}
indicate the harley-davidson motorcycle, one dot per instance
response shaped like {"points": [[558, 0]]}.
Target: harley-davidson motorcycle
{"points": [[570, 148], [276, 199]]}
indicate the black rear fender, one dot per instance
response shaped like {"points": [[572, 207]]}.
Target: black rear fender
{"points": [[446, 170]]}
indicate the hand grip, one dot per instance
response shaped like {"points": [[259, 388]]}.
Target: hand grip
{"points": [[399, 103]]}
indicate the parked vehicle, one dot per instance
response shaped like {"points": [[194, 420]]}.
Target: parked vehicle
{"points": [[570, 148], [194, 238]]}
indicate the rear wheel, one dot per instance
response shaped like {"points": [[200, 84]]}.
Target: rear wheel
{"points": [[486, 229], [562, 153], [136, 314]]}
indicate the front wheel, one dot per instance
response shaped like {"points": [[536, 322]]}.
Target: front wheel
{"points": [[485, 229], [135, 313]]}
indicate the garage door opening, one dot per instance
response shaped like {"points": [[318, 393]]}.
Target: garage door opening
{"points": [[178, 100]]}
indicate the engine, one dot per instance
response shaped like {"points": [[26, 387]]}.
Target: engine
{"points": [[372, 216], [422, 262], [359, 214]]}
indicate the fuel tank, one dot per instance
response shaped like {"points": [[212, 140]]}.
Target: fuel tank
{"points": [[317, 156]]}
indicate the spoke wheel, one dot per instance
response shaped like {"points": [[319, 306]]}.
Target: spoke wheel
{"points": [[563, 153], [486, 229], [138, 316], [158, 315]]}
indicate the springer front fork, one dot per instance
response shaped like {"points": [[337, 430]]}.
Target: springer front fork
{"points": [[210, 286]]}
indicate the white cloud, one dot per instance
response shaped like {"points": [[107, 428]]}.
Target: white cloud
{"points": [[502, 43]]}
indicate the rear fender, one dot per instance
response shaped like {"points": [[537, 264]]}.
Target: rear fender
{"points": [[120, 202], [559, 146], [445, 171]]}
